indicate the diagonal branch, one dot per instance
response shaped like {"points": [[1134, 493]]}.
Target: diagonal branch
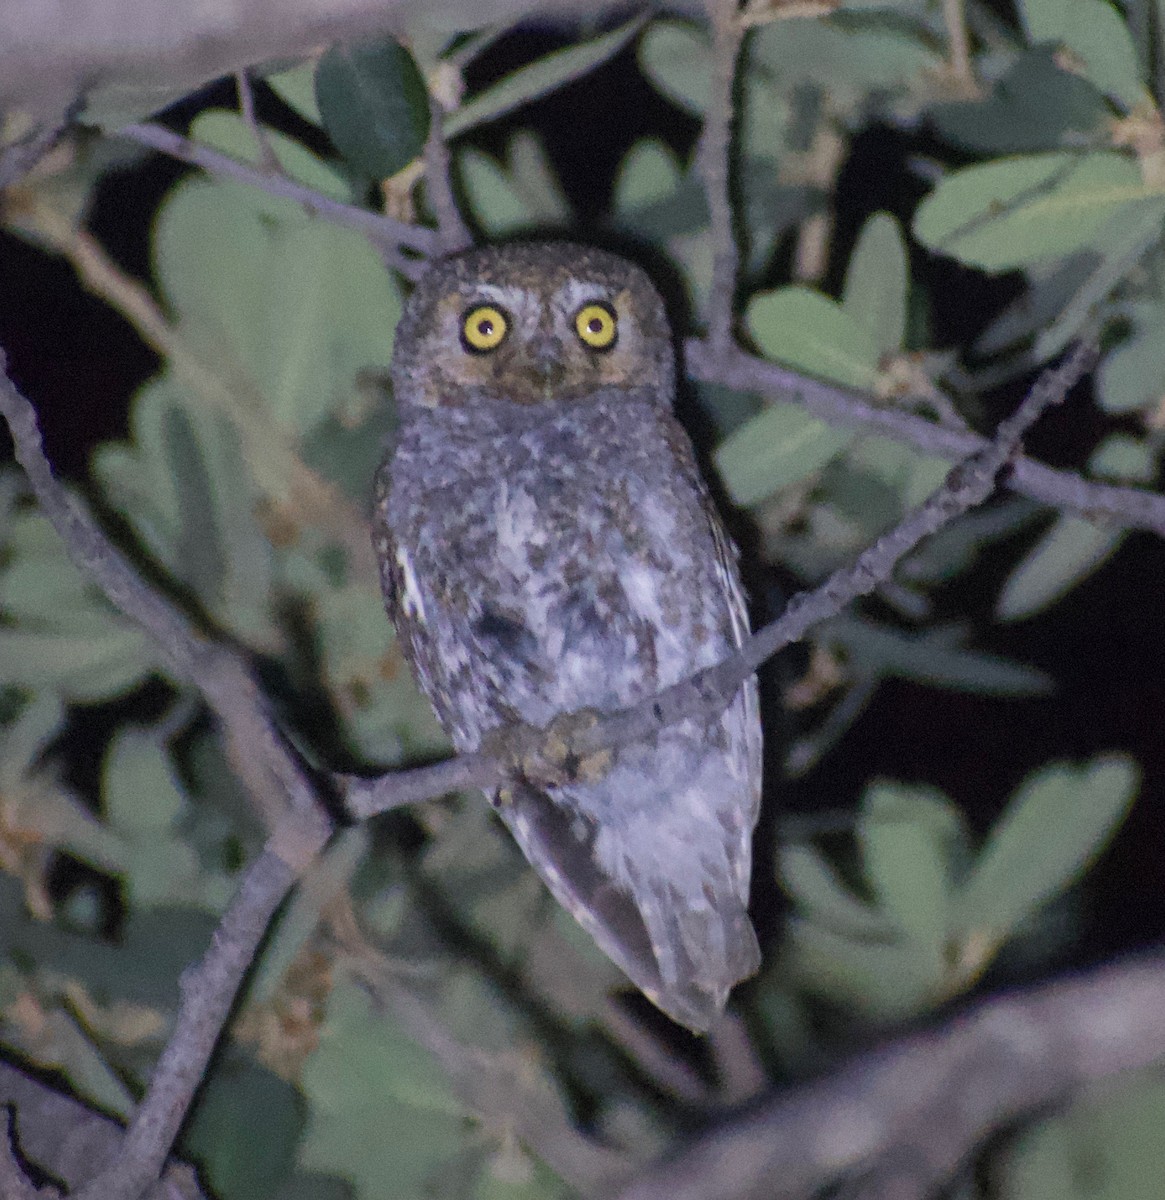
{"points": [[219, 672], [837, 405], [704, 695], [386, 232], [908, 1114], [302, 827], [208, 994]]}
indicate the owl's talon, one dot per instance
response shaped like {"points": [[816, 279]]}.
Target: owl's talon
{"points": [[550, 757]]}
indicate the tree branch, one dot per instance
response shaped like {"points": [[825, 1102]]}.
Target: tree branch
{"points": [[716, 167], [283, 792], [208, 993], [230, 690], [919, 1107], [837, 405], [219, 673], [717, 359], [389, 234], [452, 233], [69, 1141]]}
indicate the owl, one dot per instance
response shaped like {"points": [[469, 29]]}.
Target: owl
{"points": [[546, 547]]}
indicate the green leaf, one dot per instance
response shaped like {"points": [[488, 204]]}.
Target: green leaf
{"points": [[521, 195], [1097, 35], [244, 1129], [1053, 827], [374, 105], [822, 898], [23, 740], [1125, 458], [60, 633], [1063, 296], [1066, 555], [1104, 1147], [144, 804], [781, 445], [876, 282], [83, 667], [1043, 19], [1022, 211], [885, 979], [903, 834], [141, 793], [185, 487], [540, 78], [1035, 106], [380, 1108], [298, 306], [677, 60], [132, 95], [229, 134], [296, 87], [935, 656], [1131, 377], [648, 175], [806, 330], [858, 55]]}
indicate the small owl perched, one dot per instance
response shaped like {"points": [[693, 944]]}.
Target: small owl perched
{"points": [[546, 545]]}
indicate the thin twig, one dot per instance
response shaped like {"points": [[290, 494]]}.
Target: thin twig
{"points": [[837, 405], [452, 233], [499, 1086], [920, 1106], [389, 234], [208, 993], [955, 19], [13, 1183], [19, 158], [365, 797], [268, 160], [704, 695], [716, 167]]}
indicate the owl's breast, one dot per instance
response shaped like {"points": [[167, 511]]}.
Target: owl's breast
{"points": [[558, 566]]}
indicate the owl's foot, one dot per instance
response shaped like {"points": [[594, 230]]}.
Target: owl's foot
{"points": [[551, 757]]}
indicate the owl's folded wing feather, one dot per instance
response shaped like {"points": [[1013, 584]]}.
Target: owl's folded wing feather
{"points": [[684, 957]]}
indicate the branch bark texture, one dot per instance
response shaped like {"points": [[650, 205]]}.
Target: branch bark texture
{"points": [[911, 1112]]}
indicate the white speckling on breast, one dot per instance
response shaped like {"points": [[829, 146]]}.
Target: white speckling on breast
{"points": [[517, 527]]}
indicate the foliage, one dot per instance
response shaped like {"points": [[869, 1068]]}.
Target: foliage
{"points": [[421, 957]]}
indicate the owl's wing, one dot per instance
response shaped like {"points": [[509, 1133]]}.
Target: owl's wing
{"points": [[751, 744], [685, 958], [663, 887]]}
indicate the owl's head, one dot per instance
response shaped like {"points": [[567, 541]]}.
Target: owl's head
{"points": [[531, 323]]}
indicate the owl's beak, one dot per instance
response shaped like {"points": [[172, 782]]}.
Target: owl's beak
{"points": [[545, 363]]}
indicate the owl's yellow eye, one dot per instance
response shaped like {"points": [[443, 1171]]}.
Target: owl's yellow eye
{"points": [[483, 329], [597, 325]]}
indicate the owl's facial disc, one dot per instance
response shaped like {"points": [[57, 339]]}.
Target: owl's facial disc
{"points": [[534, 345]]}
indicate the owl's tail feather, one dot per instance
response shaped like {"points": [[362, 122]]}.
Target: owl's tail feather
{"points": [[684, 957]]}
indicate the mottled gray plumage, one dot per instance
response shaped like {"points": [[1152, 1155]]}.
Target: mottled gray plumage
{"points": [[547, 545]]}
